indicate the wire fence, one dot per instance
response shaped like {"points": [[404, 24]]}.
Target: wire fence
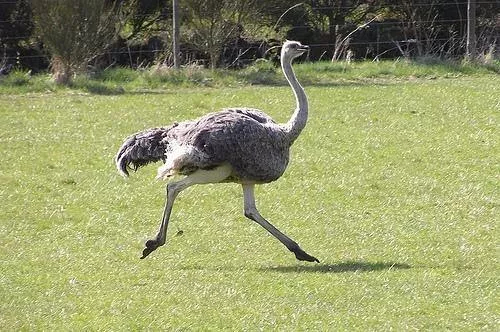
{"points": [[414, 4], [372, 38]]}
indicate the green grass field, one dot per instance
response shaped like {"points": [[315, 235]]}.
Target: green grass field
{"points": [[393, 185]]}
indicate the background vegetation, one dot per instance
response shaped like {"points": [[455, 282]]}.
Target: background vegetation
{"points": [[222, 33], [74, 32]]}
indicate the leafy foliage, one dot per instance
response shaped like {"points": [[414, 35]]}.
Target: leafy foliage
{"points": [[75, 32], [16, 24], [234, 33], [214, 23]]}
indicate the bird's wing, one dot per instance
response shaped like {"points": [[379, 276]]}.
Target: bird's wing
{"points": [[253, 113]]}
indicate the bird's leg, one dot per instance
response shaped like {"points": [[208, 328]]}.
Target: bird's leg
{"points": [[173, 189], [252, 213]]}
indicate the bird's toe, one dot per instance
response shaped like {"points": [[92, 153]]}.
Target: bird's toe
{"points": [[151, 246], [301, 255]]}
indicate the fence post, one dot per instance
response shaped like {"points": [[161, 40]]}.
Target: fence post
{"points": [[471, 30], [175, 37]]}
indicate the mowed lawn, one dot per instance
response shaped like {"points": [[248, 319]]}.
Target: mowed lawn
{"points": [[393, 186]]}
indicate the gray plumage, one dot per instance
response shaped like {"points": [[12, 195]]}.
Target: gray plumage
{"points": [[141, 149], [241, 145], [250, 141]]}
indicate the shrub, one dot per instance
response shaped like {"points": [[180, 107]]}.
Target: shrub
{"points": [[74, 32]]}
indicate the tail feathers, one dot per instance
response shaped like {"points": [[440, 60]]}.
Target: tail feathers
{"points": [[142, 148]]}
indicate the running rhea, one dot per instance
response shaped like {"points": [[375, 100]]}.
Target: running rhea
{"points": [[240, 145]]}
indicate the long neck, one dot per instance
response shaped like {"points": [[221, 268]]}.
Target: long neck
{"points": [[299, 118]]}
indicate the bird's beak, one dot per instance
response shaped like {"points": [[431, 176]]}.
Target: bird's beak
{"points": [[304, 48]]}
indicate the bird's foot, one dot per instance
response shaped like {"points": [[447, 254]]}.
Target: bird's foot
{"points": [[301, 255], [151, 245]]}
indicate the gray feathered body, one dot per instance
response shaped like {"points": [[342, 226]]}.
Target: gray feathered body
{"points": [[256, 147]]}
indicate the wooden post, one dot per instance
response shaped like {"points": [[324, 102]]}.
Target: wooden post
{"points": [[175, 37], [471, 30]]}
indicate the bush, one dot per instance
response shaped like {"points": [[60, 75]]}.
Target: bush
{"points": [[74, 32]]}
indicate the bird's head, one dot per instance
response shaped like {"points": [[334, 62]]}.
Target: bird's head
{"points": [[292, 49]]}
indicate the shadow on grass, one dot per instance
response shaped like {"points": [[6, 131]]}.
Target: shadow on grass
{"points": [[351, 266]]}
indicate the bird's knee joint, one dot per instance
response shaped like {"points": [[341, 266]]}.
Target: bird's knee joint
{"points": [[172, 189], [249, 213]]}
